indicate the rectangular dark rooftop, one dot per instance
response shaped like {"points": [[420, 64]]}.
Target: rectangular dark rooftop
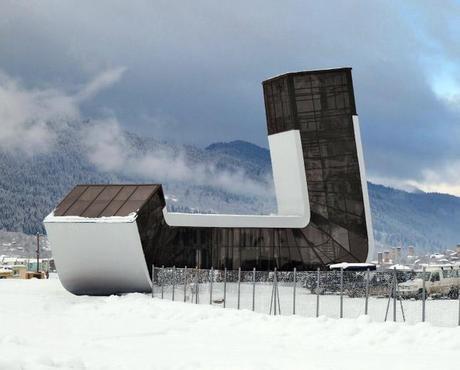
{"points": [[310, 73], [95, 201]]}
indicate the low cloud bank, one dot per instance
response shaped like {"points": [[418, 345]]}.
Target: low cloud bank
{"points": [[110, 151], [25, 113], [29, 119]]}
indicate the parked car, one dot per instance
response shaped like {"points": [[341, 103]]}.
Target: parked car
{"points": [[5, 272], [440, 281]]}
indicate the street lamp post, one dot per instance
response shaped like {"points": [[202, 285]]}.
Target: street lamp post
{"points": [[38, 252]]}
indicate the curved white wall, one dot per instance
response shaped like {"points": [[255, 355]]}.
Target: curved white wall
{"points": [[367, 206], [290, 188], [97, 257]]}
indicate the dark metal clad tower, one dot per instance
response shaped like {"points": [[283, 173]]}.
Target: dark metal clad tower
{"points": [[321, 106]]}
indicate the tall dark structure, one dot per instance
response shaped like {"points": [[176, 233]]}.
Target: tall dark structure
{"points": [[321, 105], [314, 111]]}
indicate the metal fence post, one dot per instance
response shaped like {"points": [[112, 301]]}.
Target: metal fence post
{"points": [[196, 285], [317, 294], [239, 286], [153, 280], [275, 300], [293, 291], [401, 304], [210, 287], [273, 292], [174, 282], [341, 292], [253, 288], [278, 295], [185, 284], [366, 304], [423, 294], [162, 279], [225, 286], [394, 294]]}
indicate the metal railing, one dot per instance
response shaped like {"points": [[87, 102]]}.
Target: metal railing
{"points": [[338, 293]]}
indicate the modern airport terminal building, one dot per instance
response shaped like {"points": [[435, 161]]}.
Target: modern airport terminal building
{"points": [[110, 235]]}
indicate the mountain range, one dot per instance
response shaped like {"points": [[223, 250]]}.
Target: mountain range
{"points": [[232, 177]]}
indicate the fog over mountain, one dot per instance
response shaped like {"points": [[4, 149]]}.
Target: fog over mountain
{"points": [[232, 177]]}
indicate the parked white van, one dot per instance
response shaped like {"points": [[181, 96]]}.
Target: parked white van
{"points": [[440, 281]]}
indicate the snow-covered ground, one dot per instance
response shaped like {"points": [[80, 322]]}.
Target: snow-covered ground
{"points": [[44, 327], [439, 312]]}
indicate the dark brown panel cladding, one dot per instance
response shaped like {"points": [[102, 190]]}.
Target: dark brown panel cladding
{"points": [[119, 199], [320, 105], [297, 100], [136, 200], [84, 201], [69, 200], [104, 200], [324, 106]]}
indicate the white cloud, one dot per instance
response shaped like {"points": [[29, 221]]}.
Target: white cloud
{"points": [[100, 82], [106, 145], [29, 118], [442, 180], [26, 113], [109, 150]]}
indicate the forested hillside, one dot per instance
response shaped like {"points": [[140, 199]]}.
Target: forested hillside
{"points": [[230, 177], [427, 220], [31, 186]]}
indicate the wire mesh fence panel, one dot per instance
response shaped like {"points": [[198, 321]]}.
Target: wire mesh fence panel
{"points": [[200, 286], [352, 295], [180, 285], [215, 291], [230, 289], [162, 282], [174, 284], [284, 289], [246, 290], [409, 310], [306, 293], [263, 291], [239, 289], [383, 295], [325, 285], [379, 293]]}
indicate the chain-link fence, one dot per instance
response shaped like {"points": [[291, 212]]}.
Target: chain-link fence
{"points": [[337, 293]]}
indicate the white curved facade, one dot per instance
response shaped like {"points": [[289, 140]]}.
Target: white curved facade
{"points": [[98, 257], [291, 192]]}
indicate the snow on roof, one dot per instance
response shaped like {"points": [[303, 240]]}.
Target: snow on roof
{"points": [[346, 265], [400, 267], [75, 219]]}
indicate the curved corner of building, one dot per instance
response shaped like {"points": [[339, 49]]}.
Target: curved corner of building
{"points": [[99, 258]]}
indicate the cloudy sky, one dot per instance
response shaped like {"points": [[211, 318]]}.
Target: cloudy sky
{"points": [[192, 70]]}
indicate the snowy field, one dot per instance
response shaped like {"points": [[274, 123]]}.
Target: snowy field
{"points": [[439, 312], [44, 327]]}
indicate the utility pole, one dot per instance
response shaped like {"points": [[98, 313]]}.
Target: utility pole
{"points": [[38, 252]]}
